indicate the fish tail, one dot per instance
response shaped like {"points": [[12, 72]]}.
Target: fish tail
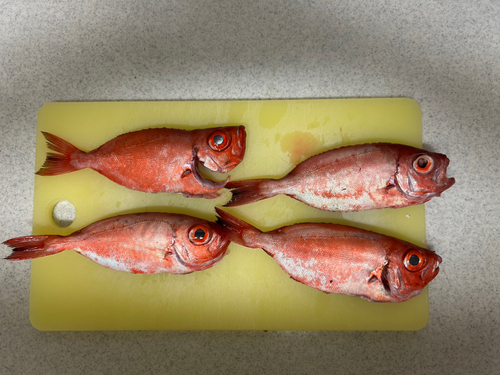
{"points": [[57, 163], [30, 247], [237, 230], [249, 191]]}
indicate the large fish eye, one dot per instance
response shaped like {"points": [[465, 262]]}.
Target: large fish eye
{"points": [[200, 234], [218, 141], [423, 164], [413, 260]]}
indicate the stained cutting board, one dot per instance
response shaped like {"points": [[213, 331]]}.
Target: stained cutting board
{"points": [[247, 290]]}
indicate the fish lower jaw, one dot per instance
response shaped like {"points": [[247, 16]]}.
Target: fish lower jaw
{"points": [[436, 266], [227, 168]]}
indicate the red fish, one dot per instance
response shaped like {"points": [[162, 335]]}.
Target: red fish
{"points": [[355, 178], [138, 243], [341, 259], [155, 160]]}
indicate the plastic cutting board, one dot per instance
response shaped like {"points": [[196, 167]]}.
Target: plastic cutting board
{"points": [[247, 290]]}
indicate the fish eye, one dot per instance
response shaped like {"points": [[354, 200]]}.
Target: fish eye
{"points": [[413, 260], [218, 141], [200, 234], [423, 164]]}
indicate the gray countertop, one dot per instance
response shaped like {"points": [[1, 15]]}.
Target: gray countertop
{"points": [[445, 55]]}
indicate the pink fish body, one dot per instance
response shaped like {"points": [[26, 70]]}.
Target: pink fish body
{"points": [[155, 160], [145, 243], [355, 178], [341, 259]]}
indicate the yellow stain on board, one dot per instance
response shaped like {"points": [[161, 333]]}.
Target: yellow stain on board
{"points": [[247, 290], [299, 146]]}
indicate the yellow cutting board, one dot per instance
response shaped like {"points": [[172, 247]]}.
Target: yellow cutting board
{"points": [[247, 290]]}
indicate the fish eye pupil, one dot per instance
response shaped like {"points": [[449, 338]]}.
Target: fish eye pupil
{"points": [[218, 139], [414, 260], [199, 234], [422, 162]]}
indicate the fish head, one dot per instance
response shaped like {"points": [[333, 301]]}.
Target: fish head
{"points": [[222, 149], [409, 269], [199, 243], [421, 175]]}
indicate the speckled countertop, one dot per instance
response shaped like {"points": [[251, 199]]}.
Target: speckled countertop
{"points": [[445, 55]]}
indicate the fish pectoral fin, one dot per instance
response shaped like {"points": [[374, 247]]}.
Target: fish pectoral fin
{"points": [[377, 273], [169, 251], [390, 185], [380, 274]]}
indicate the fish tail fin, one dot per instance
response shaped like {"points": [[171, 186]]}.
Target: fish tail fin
{"points": [[237, 230], [249, 191], [57, 163], [30, 247]]}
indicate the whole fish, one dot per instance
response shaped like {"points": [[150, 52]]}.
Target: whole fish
{"points": [[139, 243], [341, 259], [155, 160], [355, 178]]}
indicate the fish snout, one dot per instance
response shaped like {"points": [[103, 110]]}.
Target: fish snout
{"points": [[445, 183], [435, 269], [438, 261], [239, 142], [450, 182], [440, 178]]}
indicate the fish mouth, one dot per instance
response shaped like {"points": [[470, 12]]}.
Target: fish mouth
{"points": [[439, 260], [433, 270], [223, 166], [448, 184], [230, 166], [237, 150], [436, 266], [441, 180], [241, 135]]}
